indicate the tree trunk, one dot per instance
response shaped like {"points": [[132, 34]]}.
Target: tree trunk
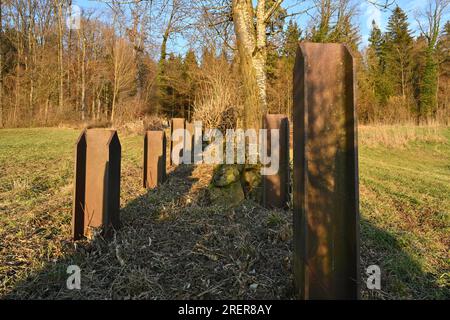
{"points": [[83, 78], [31, 58], [1, 66], [18, 73], [99, 104], [47, 101], [251, 44], [60, 54], [162, 59]]}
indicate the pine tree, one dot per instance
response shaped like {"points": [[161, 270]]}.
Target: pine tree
{"points": [[428, 96], [444, 74], [398, 52], [431, 29], [376, 40], [334, 24], [345, 32], [291, 39], [376, 61], [190, 68], [279, 91]]}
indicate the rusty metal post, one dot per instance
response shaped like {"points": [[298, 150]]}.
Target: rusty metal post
{"points": [[154, 159], [175, 124], [326, 198], [189, 143], [276, 187], [97, 182]]}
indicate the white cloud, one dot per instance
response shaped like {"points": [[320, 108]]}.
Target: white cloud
{"points": [[372, 13]]}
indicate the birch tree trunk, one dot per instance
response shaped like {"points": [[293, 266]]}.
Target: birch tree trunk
{"points": [[251, 41]]}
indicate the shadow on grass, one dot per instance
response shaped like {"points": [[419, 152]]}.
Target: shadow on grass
{"points": [[402, 276], [173, 245], [101, 259]]}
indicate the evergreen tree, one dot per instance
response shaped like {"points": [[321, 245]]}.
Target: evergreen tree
{"points": [[376, 40], [376, 63], [291, 39], [334, 24], [190, 70], [172, 91], [428, 94], [345, 32], [274, 38], [398, 52], [444, 72]]}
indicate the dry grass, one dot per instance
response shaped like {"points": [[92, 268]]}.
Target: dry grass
{"points": [[394, 136], [174, 243]]}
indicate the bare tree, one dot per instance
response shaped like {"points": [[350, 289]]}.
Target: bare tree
{"points": [[124, 71], [251, 31], [59, 13], [251, 39], [430, 20]]}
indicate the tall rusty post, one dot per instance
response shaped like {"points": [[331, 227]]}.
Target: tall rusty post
{"points": [[276, 186], [97, 183], [154, 159], [326, 197], [175, 124]]}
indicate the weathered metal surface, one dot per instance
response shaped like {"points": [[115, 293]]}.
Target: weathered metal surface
{"points": [[97, 182], [326, 199], [276, 186], [154, 159], [189, 143], [175, 124]]}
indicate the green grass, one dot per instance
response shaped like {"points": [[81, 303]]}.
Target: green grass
{"points": [[405, 206], [36, 183]]}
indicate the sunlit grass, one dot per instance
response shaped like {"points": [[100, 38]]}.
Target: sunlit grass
{"points": [[405, 203]]}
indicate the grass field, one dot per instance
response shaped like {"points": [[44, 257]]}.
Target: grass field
{"points": [[174, 244]]}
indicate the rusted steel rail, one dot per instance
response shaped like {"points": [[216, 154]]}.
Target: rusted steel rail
{"points": [[154, 159], [326, 198], [97, 183], [276, 186]]}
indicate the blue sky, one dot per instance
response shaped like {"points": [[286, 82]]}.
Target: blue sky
{"points": [[367, 13]]}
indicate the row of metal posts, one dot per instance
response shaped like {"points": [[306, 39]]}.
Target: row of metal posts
{"points": [[325, 173]]}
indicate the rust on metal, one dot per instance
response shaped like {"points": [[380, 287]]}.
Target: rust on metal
{"points": [[97, 182], [175, 124], [276, 186], [326, 199], [154, 159]]}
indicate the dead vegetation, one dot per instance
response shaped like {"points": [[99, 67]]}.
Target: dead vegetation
{"points": [[399, 136], [173, 244]]}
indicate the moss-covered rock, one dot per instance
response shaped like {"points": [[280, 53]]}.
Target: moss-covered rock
{"points": [[229, 196], [251, 181], [226, 175]]}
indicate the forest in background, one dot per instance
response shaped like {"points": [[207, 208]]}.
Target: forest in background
{"points": [[117, 67]]}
